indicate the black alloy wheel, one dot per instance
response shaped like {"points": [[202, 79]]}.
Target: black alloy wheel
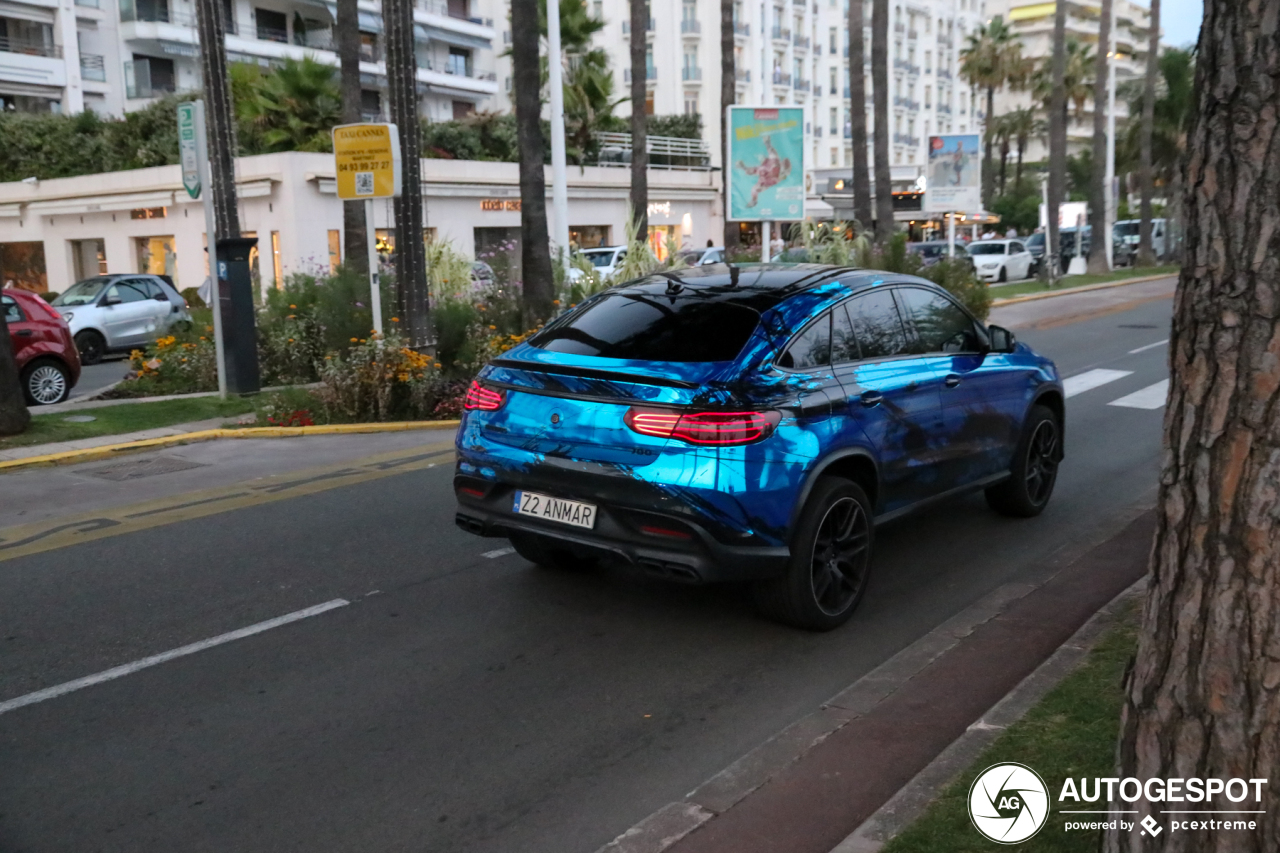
{"points": [[91, 347], [830, 562], [1035, 468]]}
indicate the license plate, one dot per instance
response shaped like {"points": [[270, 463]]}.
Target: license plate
{"points": [[574, 513]]}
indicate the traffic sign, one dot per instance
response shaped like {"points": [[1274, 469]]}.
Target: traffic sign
{"points": [[366, 158], [188, 147]]}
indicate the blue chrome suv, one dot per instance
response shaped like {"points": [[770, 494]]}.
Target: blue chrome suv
{"points": [[753, 423]]}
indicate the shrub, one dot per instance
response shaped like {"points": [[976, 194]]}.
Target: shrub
{"points": [[380, 379], [183, 363]]}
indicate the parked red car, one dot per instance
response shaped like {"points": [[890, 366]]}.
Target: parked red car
{"points": [[47, 358]]}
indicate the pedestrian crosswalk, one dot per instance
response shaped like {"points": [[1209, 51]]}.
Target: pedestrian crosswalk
{"points": [[1150, 397]]}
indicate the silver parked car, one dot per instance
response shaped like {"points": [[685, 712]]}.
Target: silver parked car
{"points": [[117, 313]]}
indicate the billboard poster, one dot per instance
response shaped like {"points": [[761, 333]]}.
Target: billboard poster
{"points": [[955, 174], [765, 173]]}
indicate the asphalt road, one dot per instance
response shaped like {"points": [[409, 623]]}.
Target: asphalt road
{"points": [[464, 702], [95, 377]]}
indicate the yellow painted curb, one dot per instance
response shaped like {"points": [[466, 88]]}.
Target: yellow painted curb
{"points": [[1106, 285], [89, 454]]}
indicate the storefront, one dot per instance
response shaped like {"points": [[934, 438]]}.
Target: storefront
{"points": [[56, 232]]}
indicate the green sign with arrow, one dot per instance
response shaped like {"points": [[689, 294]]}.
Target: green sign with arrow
{"points": [[188, 149]]}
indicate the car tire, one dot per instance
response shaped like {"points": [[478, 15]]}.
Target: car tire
{"points": [[45, 382], [543, 552], [1004, 275], [830, 561], [1035, 468], [92, 347]]}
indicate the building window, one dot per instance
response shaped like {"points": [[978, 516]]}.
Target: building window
{"points": [[459, 62], [690, 103], [835, 156]]}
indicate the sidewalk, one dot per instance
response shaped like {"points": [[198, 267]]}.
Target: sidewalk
{"points": [[34, 450], [810, 787]]}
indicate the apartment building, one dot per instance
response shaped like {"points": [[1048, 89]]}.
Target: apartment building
{"points": [[112, 56], [1033, 23], [796, 52]]}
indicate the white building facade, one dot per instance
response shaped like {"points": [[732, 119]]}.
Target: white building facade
{"points": [[112, 56], [56, 232]]}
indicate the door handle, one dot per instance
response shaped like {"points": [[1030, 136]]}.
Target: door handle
{"points": [[952, 381], [871, 398]]}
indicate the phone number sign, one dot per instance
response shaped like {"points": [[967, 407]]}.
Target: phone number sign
{"points": [[366, 159]]}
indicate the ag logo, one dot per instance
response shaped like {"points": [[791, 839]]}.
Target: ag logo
{"points": [[1008, 803]]}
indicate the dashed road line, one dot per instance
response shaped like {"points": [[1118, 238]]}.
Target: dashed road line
{"points": [[1091, 379], [1151, 397], [1148, 346], [501, 552], [182, 651]]}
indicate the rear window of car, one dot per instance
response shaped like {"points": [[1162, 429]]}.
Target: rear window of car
{"points": [[651, 325]]}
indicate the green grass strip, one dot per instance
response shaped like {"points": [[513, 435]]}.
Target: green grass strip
{"points": [[126, 417]]}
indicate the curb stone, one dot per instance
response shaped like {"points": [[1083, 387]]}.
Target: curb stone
{"points": [[911, 801], [104, 451], [1086, 288]]}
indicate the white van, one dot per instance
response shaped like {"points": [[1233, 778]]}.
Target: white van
{"points": [[1127, 231]]}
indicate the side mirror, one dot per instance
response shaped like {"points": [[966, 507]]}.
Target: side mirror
{"points": [[1002, 340], [109, 300]]}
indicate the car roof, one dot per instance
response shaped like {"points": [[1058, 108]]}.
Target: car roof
{"points": [[603, 249]]}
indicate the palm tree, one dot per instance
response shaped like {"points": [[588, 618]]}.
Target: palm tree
{"points": [[1057, 133], [880, 94], [1000, 127], [1077, 78], [588, 82], [1098, 190], [1172, 116], [858, 115], [535, 248], [220, 126], [293, 107], [354, 237], [728, 94], [639, 128], [992, 58], [1021, 125], [1145, 254], [412, 295]]}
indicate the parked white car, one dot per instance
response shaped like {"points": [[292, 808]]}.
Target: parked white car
{"points": [[1001, 260], [605, 259], [117, 313]]}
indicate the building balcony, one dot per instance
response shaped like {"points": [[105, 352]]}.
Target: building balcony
{"points": [[899, 27], [650, 73], [781, 34], [690, 28], [781, 79], [93, 67], [452, 16], [913, 34], [742, 75], [691, 75], [944, 109], [138, 82], [741, 30], [944, 74], [817, 132], [903, 139], [456, 79], [28, 47], [906, 103], [801, 42], [626, 27], [43, 68], [802, 85]]}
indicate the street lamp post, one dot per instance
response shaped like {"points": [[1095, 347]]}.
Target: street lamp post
{"points": [[559, 176], [1110, 188]]}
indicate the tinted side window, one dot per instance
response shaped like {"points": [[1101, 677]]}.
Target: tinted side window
{"points": [[1016, 248], [12, 313], [844, 343], [876, 325], [129, 290], [812, 348], [154, 289], [940, 324]]}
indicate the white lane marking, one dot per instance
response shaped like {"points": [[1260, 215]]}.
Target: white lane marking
{"points": [[1151, 397], [1148, 346], [501, 552], [130, 668], [1091, 379]]}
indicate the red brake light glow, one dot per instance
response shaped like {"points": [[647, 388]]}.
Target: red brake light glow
{"points": [[713, 428], [482, 398]]}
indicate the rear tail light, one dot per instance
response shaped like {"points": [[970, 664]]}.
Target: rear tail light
{"points": [[482, 398], [716, 428]]}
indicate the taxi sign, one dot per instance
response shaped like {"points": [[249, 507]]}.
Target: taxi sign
{"points": [[367, 160]]}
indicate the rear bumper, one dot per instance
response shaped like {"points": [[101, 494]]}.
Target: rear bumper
{"points": [[683, 551]]}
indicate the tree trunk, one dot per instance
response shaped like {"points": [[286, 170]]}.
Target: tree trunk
{"points": [[1098, 188], [1202, 699], [988, 161], [355, 243], [14, 416], [639, 120], [535, 244], [219, 116], [1057, 133], [858, 115], [1145, 253], [1004, 164], [880, 95], [728, 94], [412, 295]]}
